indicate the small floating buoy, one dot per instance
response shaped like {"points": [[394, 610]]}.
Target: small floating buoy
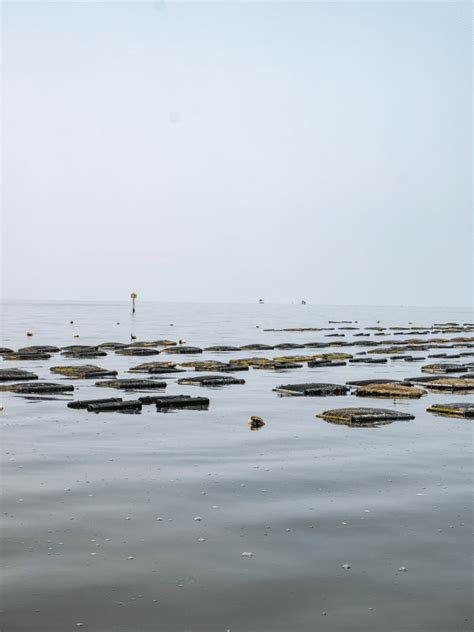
{"points": [[29, 333], [255, 422], [71, 322]]}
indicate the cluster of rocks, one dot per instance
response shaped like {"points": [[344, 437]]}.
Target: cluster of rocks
{"points": [[448, 377]]}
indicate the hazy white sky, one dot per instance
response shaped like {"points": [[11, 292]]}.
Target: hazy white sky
{"points": [[226, 152]]}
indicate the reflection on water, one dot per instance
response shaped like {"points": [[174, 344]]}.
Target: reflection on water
{"points": [[99, 511]]}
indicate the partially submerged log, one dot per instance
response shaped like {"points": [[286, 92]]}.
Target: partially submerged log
{"points": [[312, 389], [362, 417]]}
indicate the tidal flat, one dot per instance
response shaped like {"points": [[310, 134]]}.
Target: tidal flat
{"points": [[169, 517]]}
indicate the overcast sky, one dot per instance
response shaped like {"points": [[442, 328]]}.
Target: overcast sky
{"points": [[204, 152]]}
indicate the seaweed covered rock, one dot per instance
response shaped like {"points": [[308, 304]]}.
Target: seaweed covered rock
{"points": [[5, 350], [251, 361], [392, 391], [279, 366], [362, 417], [113, 345], [12, 375], [320, 362], [453, 410], [39, 349], [164, 343], [443, 368], [312, 389], [182, 350], [203, 365], [451, 384], [293, 358], [133, 384], [37, 388], [83, 352], [375, 381], [368, 360], [223, 348], [27, 355], [85, 371], [333, 356], [256, 347], [148, 367], [211, 380], [137, 351]]}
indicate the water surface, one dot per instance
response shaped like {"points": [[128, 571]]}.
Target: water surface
{"points": [[83, 493]]}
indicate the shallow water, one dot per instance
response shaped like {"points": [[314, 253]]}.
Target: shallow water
{"points": [[304, 496]]}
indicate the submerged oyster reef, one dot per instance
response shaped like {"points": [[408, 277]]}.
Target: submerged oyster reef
{"points": [[361, 346]]}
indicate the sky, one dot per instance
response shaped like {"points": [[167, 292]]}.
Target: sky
{"points": [[236, 151]]}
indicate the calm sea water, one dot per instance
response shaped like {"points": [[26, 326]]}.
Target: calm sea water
{"points": [[82, 492]]}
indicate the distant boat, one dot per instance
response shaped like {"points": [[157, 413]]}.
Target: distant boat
{"points": [[260, 300], [303, 302]]}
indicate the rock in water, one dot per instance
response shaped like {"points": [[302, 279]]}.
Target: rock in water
{"points": [[392, 391], [255, 422], [312, 389], [363, 416], [453, 410], [132, 384]]}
